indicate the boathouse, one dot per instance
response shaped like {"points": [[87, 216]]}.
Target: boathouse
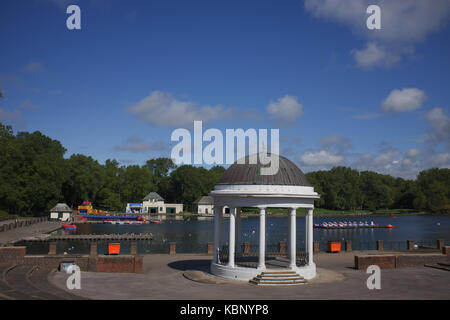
{"points": [[153, 203], [61, 212], [243, 186], [205, 205]]}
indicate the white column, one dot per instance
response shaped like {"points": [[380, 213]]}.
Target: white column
{"points": [[288, 239], [306, 232], [217, 231], [310, 236], [231, 242], [238, 232], [293, 239], [262, 238]]}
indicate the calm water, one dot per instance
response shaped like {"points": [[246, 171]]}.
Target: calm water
{"points": [[192, 236]]}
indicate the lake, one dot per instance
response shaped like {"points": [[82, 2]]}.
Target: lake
{"points": [[192, 236]]}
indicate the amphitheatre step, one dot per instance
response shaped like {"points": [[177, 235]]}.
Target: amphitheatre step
{"points": [[18, 279], [439, 266], [40, 279], [7, 291]]}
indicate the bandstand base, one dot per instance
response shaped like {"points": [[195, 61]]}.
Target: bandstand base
{"points": [[246, 274]]}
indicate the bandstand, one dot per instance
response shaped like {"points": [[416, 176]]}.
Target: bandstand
{"points": [[243, 186]]}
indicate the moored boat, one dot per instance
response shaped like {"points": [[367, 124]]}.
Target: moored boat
{"points": [[350, 225]]}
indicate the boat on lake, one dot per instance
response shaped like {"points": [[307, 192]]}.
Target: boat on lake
{"points": [[350, 225], [70, 227]]}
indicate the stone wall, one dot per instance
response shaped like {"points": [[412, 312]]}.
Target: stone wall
{"points": [[12, 254], [399, 261], [127, 264], [383, 261], [92, 263]]}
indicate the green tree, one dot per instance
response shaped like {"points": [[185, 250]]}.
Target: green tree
{"points": [[85, 179], [109, 196], [434, 185], [135, 183]]}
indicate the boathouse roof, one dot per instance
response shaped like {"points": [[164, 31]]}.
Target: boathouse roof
{"points": [[61, 207], [205, 200], [153, 196]]}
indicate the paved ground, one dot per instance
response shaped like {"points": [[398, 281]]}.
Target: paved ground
{"points": [[163, 279], [34, 230]]}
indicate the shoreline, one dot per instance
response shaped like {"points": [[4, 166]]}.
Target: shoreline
{"points": [[348, 214]]}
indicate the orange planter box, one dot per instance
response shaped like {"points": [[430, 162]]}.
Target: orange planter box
{"points": [[113, 248], [334, 246]]}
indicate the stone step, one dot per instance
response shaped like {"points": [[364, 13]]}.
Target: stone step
{"points": [[279, 283], [276, 276], [284, 280], [278, 272]]}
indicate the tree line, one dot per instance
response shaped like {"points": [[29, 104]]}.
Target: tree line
{"points": [[343, 188], [34, 176]]}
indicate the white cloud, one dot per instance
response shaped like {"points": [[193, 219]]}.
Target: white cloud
{"points": [[136, 145], [286, 109], [387, 160], [407, 21], [403, 24], [440, 124], [407, 99], [441, 160], [335, 141], [8, 116], [28, 105], [374, 55], [33, 67], [161, 108], [391, 162], [412, 153], [321, 158]]}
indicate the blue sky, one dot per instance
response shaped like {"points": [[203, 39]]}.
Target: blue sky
{"points": [[339, 93]]}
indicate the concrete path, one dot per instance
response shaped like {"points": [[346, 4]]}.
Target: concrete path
{"points": [[36, 230], [164, 278]]}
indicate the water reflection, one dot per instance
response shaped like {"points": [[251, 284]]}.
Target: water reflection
{"points": [[192, 236]]}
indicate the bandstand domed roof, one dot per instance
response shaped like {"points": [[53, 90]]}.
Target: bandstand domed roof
{"points": [[250, 174]]}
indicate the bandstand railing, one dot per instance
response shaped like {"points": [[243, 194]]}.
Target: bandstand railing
{"points": [[273, 251]]}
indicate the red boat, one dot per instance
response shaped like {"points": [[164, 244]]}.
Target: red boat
{"points": [[70, 227]]}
